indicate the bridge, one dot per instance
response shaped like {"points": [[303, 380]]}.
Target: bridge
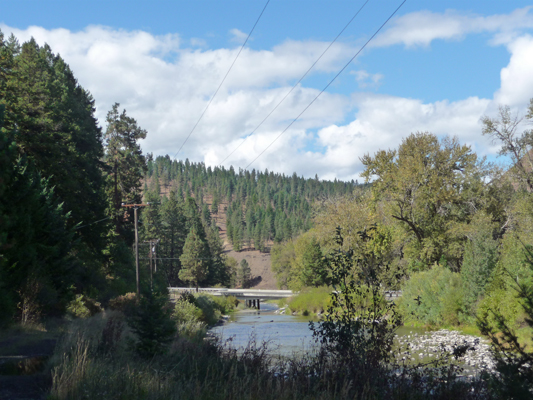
{"points": [[253, 297]]}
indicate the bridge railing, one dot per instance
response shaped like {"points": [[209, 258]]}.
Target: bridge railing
{"points": [[239, 293]]}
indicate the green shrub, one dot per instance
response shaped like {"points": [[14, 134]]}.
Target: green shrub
{"points": [[433, 297], [210, 309], [185, 312], [501, 297], [225, 304], [311, 300], [203, 308], [77, 308], [501, 300]]}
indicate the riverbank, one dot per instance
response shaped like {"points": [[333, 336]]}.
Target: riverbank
{"points": [[87, 365], [289, 334]]}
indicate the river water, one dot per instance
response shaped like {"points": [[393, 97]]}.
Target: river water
{"points": [[285, 334]]}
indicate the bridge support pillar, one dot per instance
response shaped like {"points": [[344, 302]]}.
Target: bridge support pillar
{"points": [[258, 304]]}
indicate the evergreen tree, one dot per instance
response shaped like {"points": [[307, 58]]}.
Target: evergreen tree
{"points": [[36, 271], [218, 270], [195, 259], [153, 325], [53, 121], [245, 273], [173, 228], [124, 160]]}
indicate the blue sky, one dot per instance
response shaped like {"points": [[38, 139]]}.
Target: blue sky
{"points": [[437, 66]]}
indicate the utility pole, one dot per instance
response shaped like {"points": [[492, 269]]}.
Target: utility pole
{"points": [[135, 208], [152, 254]]}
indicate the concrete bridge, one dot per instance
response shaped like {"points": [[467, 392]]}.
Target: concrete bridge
{"points": [[252, 297]]}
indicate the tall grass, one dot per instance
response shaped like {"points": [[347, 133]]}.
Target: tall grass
{"points": [[311, 300], [93, 361]]}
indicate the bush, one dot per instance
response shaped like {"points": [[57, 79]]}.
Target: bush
{"points": [[210, 309], [125, 303], [202, 308], [76, 308], [153, 325], [311, 300], [225, 304], [433, 297], [185, 312]]}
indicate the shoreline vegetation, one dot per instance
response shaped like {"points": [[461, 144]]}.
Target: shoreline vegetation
{"points": [[453, 232], [97, 358], [106, 356]]}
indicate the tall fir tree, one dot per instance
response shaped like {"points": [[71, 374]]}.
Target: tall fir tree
{"points": [[125, 162], [195, 259]]}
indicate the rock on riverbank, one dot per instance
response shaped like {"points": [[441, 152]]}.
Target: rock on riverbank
{"points": [[476, 350]]}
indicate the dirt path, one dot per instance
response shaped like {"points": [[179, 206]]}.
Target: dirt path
{"points": [[23, 357]]}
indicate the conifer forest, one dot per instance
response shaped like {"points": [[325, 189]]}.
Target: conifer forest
{"points": [[430, 219]]}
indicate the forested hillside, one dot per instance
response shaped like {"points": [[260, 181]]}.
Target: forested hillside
{"points": [[249, 209], [261, 207]]}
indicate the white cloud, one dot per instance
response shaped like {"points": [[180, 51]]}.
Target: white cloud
{"points": [[238, 36], [166, 86], [422, 27], [517, 77], [383, 121], [366, 79]]}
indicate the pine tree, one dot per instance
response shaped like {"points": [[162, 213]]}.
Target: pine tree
{"points": [[173, 227], [125, 161], [219, 272], [53, 120], [245, 273], [195, 259], [36, 271]]}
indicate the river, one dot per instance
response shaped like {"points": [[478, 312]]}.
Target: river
{"points": [[286, 334]]}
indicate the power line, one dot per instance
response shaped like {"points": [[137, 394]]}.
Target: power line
{"points": [[168, 258], [297, 83], [223, 79], [92, 223], [330, 82]]}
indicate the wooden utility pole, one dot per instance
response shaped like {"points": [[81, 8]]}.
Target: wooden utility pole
{"points": [[152, 255], [135, 208]]}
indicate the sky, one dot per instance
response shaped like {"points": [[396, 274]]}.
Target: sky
{"points": [[435, 66]]}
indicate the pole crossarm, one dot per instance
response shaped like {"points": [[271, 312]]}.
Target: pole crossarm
{"points": [[135, 205]]}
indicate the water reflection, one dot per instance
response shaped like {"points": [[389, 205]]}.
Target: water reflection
{"points": [[285, 334]]}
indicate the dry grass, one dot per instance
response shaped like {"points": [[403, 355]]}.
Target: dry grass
{"points": [[87, 369]]}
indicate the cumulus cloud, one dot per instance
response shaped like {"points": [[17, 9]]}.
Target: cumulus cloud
{"points": [[166, 83], [517, 77], [366, 79], [421, 28], [238, 36], [166, 86], [381, 122]]}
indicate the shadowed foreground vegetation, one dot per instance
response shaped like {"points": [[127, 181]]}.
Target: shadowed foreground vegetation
{"points": [[108, 356], [94, 360]]}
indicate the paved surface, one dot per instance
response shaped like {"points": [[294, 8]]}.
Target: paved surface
{"points": [[241, 294]]}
